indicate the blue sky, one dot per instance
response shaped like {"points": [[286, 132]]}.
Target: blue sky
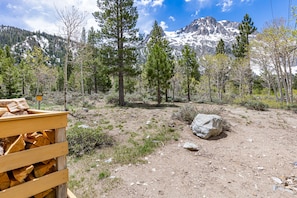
{"points": [[171, 14]]}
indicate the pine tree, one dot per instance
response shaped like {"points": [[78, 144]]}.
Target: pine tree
{"points": [[9, 75], [159, 66], [241, 47], [220, 49], [190, 67], [117, 19]]}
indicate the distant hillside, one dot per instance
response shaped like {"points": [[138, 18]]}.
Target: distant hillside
{"points": [[202, 35], [20, 41]]}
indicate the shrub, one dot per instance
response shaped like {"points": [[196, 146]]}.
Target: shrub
{"points": [[188, 112], [254, 105], [86, 140], [112, 98]]}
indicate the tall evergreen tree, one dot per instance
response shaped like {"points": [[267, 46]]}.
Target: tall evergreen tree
{"points": [[190, 67], [246, 28], [117, 19], [9, 75], [241, 48], [159, 66]]}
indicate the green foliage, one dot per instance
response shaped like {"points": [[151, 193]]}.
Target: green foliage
{"points": [[117, 21], [240, 48], [10, 86], [112, 98], [220, 49], [188, 112], [133, 154], [190, 68], [254, 105], [104, 174], [159, 67], [86, 140]]}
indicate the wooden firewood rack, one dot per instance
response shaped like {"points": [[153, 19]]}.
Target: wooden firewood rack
{"points": [[37, 121]]}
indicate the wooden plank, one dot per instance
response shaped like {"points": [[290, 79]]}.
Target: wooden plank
{"points": [[31, 156], [11, 126], [60, 136], [37, 185]]}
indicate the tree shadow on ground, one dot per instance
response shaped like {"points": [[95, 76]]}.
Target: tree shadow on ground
{"points": [[150, 106]]}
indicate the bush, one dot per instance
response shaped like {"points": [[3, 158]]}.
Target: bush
{"points": [[112, 98], [254, 105], [86, 140], [188, 112]]}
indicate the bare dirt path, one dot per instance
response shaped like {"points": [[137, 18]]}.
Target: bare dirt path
{"points": [[241, 163]]}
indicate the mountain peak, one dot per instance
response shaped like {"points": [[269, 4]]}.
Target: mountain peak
{"points": [[209, 25]]}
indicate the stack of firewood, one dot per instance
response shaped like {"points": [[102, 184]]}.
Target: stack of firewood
{"points": [[16, 107]]}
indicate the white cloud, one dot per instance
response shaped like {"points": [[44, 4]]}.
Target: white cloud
{"points": [[187, 0], [157, 3], [172, 18], [163, 25], [143, 2], [42, 15], [226, 5]]}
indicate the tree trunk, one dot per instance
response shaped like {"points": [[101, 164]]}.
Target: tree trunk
{"points": [[209, 89], [82, 82], [188, 87], [120, 56]]}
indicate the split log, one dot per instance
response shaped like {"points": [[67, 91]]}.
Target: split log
{"points": [[52, 194], [3, 110], [43, 194], [21, 173], [7, 114], [30, 177], [42, 169], [50, 134], [4, 181], [18, 145], [15, 105], [14, 182]]}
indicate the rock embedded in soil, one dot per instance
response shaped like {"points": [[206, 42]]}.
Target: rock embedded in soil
{"points": [[207, 125], [191, 146]]}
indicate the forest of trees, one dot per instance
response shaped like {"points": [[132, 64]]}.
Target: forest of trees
{"points": [[107, 61]]}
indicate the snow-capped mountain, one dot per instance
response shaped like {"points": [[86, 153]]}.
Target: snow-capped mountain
{"points": [[203, 35]]}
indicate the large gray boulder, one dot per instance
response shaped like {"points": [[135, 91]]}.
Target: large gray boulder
{"points": [[207, 125]]}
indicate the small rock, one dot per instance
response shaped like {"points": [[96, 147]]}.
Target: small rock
{"points": [[108, 160], [148, 122], [295, 164], [154, 170], [191, 146], [260, 168], [84, 126], [277, 180]]}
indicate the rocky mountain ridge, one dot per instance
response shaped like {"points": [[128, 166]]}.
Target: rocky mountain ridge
{"points": [[202, 35]]}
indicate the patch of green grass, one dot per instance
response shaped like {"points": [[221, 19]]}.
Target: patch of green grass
{"points": [[74, 183], [104, 174], [108, 127], [137, 149]]}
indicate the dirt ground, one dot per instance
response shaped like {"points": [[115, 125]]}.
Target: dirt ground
{"points": [[256, 158]]}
